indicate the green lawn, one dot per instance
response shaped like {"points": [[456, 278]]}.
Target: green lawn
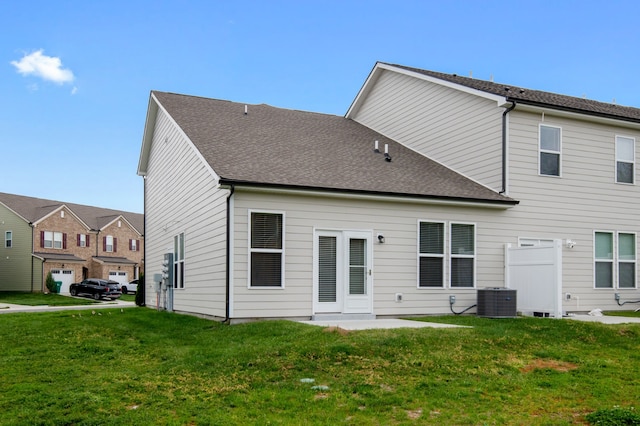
{"points": [[138, 366], [51, 299]]}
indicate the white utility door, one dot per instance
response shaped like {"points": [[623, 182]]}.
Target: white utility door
{"points": [[342, 277]]}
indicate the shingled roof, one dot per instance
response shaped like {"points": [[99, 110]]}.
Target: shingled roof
{"points": [[34, 209], [278, 147], [537, 97]]}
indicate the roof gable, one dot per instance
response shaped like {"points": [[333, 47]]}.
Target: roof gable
{"points": [[539, 98], [306, 150]]}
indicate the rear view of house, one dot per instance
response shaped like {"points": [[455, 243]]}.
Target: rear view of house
{"points": [[431, 188], [71, 241]]}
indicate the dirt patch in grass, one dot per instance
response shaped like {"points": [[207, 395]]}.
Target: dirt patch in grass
{"points": [[550, 364], [335, 329]]}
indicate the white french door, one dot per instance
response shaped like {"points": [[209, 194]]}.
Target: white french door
{"points": [[342, 272]]}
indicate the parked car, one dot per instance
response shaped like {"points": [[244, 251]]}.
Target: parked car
{"points": [[132, 287], [96, 288]]}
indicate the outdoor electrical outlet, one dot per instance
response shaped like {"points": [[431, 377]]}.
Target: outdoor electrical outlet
{"points": [[617, 296], [452, 299]]}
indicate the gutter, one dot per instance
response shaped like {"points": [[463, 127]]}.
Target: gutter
{"points": [[227, 307], [355, 193], [504, 146]]}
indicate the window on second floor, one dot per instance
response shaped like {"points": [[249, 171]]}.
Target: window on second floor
{"points": [[625, 159], [134, 245], [550, 150], [110, 244], [83, 240], [50, 239], [8, 239]]}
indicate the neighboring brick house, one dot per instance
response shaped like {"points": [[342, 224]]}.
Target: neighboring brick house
{"points": [[71, 241]]}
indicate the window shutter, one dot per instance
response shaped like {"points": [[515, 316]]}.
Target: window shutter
{"points": [[130, 244], [88, 243], [42, 239], [64, 240], [115, 244], [78, 240], [137, 245], [104, 244]]}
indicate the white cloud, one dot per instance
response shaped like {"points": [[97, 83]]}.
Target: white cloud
{"points": [[43, 66]]}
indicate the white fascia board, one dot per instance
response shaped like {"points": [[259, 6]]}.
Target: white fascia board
{"points": [[121, 217], [501, 101], [149, 127], [370, 197], [577, 116], [159, 106]]}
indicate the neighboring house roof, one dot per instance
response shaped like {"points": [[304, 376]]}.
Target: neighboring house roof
{"points": [[114, 260], [304, 150], [59, 257], [34, 209], [537, 97]]}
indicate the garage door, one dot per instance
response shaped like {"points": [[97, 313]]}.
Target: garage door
{"points": [[65, 276], [119, 276]]}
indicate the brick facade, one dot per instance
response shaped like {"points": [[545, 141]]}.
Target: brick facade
{"points": [[92, 260]]}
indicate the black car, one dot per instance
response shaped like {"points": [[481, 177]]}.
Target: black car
{"points": [[96, 288]]}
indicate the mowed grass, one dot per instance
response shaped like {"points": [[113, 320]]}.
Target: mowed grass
{"points": [[51, 299], [137, 366]]}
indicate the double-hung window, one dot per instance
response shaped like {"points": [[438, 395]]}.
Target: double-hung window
{"points": [[266, 236], [431, 254], [52, 240], [550, 150], [8, 239], [463, 255], [615, 259], [109, 244], [626, 260], [625, 159], [603, 254], [178, 261]]}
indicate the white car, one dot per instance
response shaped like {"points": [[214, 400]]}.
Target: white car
{"points": [[132, 287]]}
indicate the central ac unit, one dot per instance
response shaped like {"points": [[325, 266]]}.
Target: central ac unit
{"points": [[497, 302]]}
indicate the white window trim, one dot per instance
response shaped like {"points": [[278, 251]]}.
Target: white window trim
{"points": [[615, 166], [612, 261], [250, 250], [107, 245], [618, 261], [464, 256], [50, 240], [540, 150], [178, 284], [443, 256], [83, 240], [8, 236]]}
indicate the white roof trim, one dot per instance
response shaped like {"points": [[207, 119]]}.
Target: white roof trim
{"points": [[56, 210], [149, 132], [380, 67]]}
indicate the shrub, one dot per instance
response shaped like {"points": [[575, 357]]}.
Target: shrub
{"points": [[140, 292], [50, 283], [615, 416]]}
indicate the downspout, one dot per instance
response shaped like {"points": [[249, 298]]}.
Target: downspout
{"points": [[504, 146], [227, 320]]}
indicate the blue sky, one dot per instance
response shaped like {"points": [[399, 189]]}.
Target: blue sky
{"points": [[75, 76]]}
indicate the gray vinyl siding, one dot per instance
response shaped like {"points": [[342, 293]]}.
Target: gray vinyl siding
{"points": [[583, 200], [182, 197], [15, 262], [457, 129], [394, 263]]}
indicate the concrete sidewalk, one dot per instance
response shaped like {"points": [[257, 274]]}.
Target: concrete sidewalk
{"points": [[384, 323], [6, 308]]}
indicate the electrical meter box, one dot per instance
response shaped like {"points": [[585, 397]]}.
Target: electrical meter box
{"points": [[167, 270]]}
